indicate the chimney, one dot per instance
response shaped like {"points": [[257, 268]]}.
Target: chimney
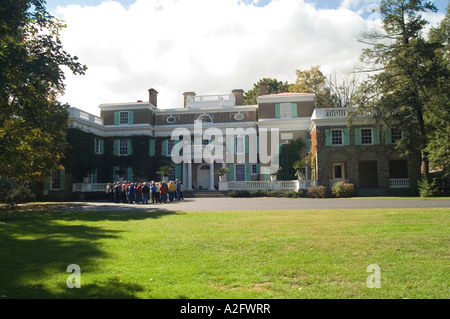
{"points": [[186, 95], [153, 97], [262, 88], [239, 95]]}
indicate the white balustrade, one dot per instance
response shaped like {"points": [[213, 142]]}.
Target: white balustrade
{"points": [[399, 182]]}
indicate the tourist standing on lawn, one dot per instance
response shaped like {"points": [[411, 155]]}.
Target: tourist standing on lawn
{"points": [[163, 192], [171, 190], [145, 193], [178, 189]]}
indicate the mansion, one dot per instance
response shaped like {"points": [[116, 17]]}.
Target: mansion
{"points": [[131, 141]]}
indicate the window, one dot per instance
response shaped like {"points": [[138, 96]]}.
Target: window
{"points": [[205, 142], [123, 147], [240, 145], [123, 118], [171, 120], [205, 118], [337, 137], [240, 172], [286, 110], [366, 136], [170, 145], [123, 172], [396, 134], [172, 175], [97, 146], [254, 169], [56, 180], [338, 170]]}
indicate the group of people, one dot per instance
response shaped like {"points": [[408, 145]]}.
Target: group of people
{"points": [[127, 192]]}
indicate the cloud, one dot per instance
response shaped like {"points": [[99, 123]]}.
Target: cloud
{"points": [[206, 46]]}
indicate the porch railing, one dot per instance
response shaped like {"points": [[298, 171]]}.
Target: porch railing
{"points": [[267, 185], [89, 187], [399, 183]]}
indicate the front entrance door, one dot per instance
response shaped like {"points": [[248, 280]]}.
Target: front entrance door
{"points": [[203, 176]]}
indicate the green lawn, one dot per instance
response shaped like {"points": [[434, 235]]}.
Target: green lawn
{"points": [[247, 254]]}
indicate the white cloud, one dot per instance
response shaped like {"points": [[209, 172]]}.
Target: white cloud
{"points": [[206, 46]]}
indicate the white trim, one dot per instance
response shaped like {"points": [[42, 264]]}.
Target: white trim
{"points": [[127, 106], [299, 97]]}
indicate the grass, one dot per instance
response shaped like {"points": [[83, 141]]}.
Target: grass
{"points": [[225, 254]]}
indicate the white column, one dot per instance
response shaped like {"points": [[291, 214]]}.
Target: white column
{"points": [[211, 175], [184, 181], [189, 177]]}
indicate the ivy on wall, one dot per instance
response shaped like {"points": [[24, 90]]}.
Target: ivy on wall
{"points": [[81, 159], [289, 153]]}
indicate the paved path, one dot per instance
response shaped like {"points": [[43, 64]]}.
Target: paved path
{"points": [[215, 204]]}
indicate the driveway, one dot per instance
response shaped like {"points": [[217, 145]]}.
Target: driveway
{"points": [[216, 204]]}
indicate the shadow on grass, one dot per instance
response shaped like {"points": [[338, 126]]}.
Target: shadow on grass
{"points": [[36, 248]]}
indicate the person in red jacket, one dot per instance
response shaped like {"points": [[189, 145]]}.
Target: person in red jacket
{"points": [[163, 192]]}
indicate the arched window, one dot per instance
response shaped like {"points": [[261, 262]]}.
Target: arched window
{"points": [[205, 118]]}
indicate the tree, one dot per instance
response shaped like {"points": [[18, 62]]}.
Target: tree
{"points": [[438, 118], [313, 81], [32, 121], [404, 66], [343, 92], [273, 86]]}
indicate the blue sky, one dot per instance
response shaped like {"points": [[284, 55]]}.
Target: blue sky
{"points": [[205, 46], [321, 4]]}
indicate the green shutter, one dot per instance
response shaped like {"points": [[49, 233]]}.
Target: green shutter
{"points": [[258, 169], [152, 148], [47, 186], [102, 147], [266, 176], [164, 148], [327, 137], [232, 144], [116, 147], [131, 117], [178, 174], [115, 176], [357, 136], [376, 136], [277, 111], [95, 176], [62, 180], [130, 147], [116, 118], [387, 136], [294, 110], [231, 172], [130, 174], [346, 136], [248, 172], [308, 146]]}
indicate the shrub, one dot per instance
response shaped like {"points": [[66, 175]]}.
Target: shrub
{"points": [[426, 188], [343, 189], [317, 192], [14, 192], [265, 193]]}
